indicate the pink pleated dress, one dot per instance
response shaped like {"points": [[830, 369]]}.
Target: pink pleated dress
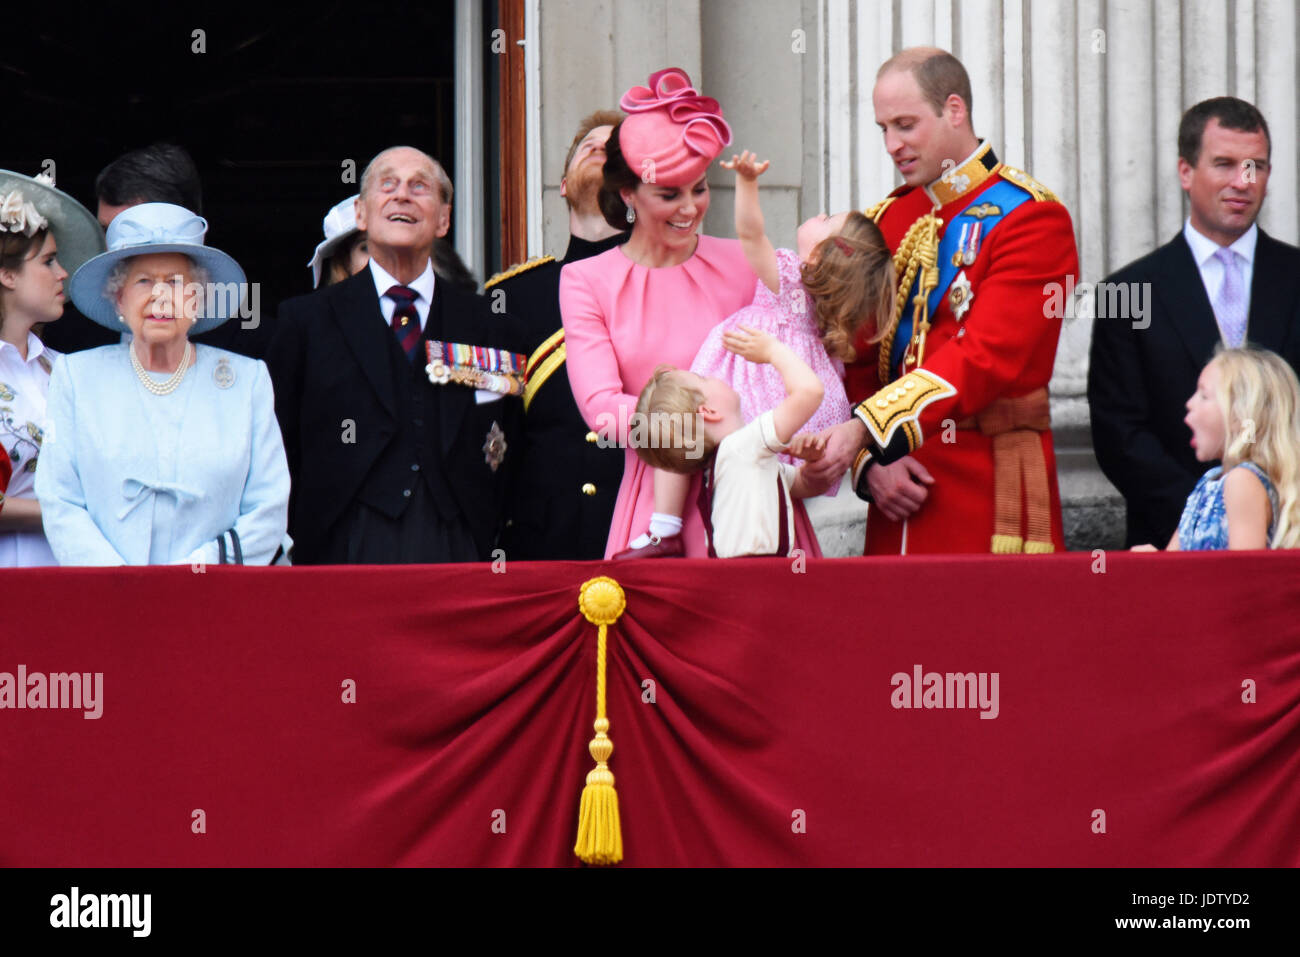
{"points": [[621, 321], [789, 315]]}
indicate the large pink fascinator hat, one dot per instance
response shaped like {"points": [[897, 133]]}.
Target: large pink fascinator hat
{"points": [[671, 133]]}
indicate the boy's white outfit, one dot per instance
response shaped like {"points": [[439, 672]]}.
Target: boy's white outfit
{"points": [[748, 489]]}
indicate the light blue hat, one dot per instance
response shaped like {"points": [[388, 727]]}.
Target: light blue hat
{"points": [[160, 228]]}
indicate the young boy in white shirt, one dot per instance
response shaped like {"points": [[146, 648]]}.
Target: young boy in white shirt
{"points": [[695, 424]]}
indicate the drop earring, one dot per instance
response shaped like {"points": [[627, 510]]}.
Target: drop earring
{"points": [[631, 215]]}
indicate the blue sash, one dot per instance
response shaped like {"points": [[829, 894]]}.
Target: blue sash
{"points": [[1003, 194]]}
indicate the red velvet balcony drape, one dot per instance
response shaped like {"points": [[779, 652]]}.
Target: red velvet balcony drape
{"points": [[772, 737]]}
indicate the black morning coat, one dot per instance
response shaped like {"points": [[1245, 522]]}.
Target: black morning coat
{"points": [[1139, 379], [332, 367]]}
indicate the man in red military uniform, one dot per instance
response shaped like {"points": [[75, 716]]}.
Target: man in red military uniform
{"points": [[951, 438]]}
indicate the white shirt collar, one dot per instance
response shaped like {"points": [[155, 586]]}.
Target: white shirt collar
{"points": [[35, 347], [1204, 248], [423, 283]]}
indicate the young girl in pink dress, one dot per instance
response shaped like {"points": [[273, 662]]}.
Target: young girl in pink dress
{"points": [[814, 300]]}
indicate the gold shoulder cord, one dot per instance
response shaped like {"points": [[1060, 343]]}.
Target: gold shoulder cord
{"points": [[516, 269], [919, 250]]}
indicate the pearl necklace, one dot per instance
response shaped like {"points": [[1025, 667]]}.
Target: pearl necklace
{"points": [[167, 386]]}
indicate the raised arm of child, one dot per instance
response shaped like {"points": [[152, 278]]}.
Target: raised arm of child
{"points": [[803, 388], [749, 219]]}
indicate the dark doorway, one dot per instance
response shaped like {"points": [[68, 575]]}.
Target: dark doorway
{"points": [[272, 110]]}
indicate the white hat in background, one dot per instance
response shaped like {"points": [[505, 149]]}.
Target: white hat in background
{"points": [[339, 223]]}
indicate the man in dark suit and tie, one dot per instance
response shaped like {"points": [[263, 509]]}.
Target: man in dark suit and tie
{"points": [[388, 465], [1220, 280]]}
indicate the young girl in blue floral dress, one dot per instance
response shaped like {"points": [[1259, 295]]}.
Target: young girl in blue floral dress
{"points": [[1245, 412]]}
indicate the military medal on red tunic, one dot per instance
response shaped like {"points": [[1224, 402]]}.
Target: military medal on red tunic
{"points": [[968, 245], [960, 296]]}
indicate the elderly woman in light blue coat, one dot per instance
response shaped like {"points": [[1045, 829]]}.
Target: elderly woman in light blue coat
{"points": [[157, 450]]}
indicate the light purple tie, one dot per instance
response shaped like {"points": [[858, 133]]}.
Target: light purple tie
{"points": [[1230, 306]]}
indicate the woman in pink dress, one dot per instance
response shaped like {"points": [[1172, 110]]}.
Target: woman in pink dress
{"points": [[654, 299]]}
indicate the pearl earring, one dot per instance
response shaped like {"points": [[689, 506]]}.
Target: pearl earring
{"points": [[121, 319], [631, 215]]}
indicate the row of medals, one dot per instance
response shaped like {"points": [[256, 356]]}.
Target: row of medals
{"points": [[440, 374]]}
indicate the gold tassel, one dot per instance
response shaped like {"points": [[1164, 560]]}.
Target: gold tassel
{"points": [[1039, 548], [600, 837], [1007, 545]]}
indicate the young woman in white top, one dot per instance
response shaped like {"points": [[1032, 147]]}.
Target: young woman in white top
{"points": [[43, 235]]}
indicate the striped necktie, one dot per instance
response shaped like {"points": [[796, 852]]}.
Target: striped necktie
{"points": [[406, 321]]}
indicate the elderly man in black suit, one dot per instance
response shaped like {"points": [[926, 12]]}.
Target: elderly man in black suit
{"points": [[395, 458], [1220, 280]]}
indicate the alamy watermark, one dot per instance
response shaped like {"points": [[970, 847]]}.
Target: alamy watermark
{"points": [[652, 430], [1100, 300], [233, 299], [75, 909], [931, 689], [59, 690]]}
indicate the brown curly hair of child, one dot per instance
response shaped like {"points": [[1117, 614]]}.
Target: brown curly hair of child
{"points": [[851, 279]]}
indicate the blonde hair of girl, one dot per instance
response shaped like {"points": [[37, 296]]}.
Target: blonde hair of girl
{"points": [[1259, 397]]}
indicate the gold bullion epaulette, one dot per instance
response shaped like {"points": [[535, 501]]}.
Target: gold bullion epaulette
{"points": [[516, 269], [1027, 183], [874, 213]]}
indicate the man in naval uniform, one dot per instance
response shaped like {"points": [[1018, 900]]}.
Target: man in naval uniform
{"points": [[951, 439], [565, 484]]}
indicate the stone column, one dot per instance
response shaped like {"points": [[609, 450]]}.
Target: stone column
{"points": [[592, 51]]}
